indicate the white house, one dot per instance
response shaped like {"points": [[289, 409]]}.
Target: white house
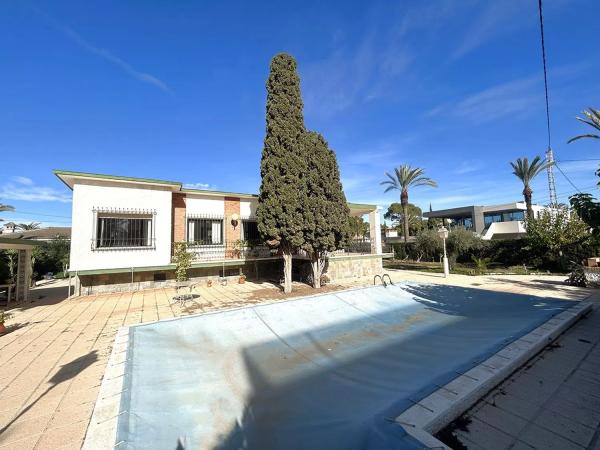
{"points": [[505, 221], [124, 228]]}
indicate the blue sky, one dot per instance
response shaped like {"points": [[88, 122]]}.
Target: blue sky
{"points": [[176, 90]]}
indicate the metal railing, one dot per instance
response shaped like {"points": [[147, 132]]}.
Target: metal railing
{"points": [[229, 250], [251, 250], [355, 248]]}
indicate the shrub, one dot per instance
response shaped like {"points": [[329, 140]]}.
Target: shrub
{"points": [[464, 244], [183, 261], [428, 245]]}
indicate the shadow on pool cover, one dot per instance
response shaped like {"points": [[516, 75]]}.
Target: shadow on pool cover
{"points": [[351, 403]]}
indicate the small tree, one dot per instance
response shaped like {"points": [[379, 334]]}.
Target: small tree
{"points": [[428, 244], [183, 261], [557, 234], [283, 165], [325, 210], [358, 227], [414, 215]]}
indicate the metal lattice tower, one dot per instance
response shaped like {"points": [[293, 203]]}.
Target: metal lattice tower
{"points": [[550, 169]]}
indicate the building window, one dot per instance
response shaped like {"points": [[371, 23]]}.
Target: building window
{"points": [[205, 231], [508, 216], [123, 231], [250, 230]]}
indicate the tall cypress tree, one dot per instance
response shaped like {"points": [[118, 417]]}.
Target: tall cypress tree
{"points": [[282, 168], [326, 212]]}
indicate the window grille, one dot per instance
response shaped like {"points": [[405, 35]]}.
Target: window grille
{"points": [[123, 228]]}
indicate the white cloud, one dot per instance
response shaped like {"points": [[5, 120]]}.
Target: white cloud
{"points": [[23, 180], [517, 98], [106, 54], [468, 167], [499, 17], [201, 186], [29, 192]]}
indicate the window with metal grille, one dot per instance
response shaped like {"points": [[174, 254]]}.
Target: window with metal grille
{"points": [[118, 231], [250, 230], [205, 231]]}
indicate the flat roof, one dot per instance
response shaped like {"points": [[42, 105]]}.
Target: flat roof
{"points": [[68, 177], [461, 210]]}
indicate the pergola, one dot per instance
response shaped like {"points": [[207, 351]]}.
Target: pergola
{"points": [[24, 248]]}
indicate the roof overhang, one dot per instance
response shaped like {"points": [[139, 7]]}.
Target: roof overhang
{"points": [[359, 209], [70, 178]]}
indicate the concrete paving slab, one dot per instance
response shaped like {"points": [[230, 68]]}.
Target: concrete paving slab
{"points": [[565, 427], [541, 438]]}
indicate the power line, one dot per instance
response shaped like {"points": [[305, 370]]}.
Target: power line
{"points": [[545, 71], [568, 179], [36, 214], [578, 160]]}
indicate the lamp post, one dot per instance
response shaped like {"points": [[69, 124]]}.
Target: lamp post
{"points": [[443, 233]]}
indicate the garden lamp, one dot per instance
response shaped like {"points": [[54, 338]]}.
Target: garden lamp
{"points": [[443, 234]]}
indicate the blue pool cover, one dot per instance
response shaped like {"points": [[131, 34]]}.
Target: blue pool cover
{"points": [[324, 372]]}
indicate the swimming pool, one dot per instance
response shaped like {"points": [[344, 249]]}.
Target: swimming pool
{"points": [[322, 372]]}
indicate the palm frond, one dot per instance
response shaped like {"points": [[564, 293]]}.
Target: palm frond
{"points": [[581, 136]]}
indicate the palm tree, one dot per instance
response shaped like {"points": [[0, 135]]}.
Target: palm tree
{"points": [[4, 207], [527, 172], [406, 177], [593, 120], [29, 226]]}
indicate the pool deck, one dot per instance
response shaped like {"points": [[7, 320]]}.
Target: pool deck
{"points": [[53, 360]]}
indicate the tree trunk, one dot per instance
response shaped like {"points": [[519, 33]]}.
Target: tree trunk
{"points": [[404, 203], [527, 193], [287, 271], [317, 265]]}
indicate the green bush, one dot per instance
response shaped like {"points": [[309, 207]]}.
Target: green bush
{"points": [[428, 245], [463, 245]]}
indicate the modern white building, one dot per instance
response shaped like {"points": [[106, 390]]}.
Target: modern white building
{"points": [[124, 230], [505, 221]]}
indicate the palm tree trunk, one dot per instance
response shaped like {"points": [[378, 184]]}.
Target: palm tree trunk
{"points": [[527, 193], [404, 203]]}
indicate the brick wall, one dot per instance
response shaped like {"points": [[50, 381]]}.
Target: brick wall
{"points": [[178, 217], [232, 206]]}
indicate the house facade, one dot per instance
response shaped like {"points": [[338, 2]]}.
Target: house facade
{"points": [[505, 221], [124, 230]]}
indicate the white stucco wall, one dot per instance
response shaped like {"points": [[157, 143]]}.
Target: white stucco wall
{"points": [[248, 207], [205, 205], [88, 197]]}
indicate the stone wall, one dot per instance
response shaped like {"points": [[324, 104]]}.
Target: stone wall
{"points": [[123, 282], [344, 267]]}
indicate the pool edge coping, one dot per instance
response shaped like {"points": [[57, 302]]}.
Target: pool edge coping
{"points": [[431, 414], [101, 432]]}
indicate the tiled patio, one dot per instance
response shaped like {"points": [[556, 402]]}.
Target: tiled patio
{"points": [[52, 361]]}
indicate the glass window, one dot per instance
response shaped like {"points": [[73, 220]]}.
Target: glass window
{"points": [[123, 232], [205, 231], [490, 218], [250, 230], [519, 215]]}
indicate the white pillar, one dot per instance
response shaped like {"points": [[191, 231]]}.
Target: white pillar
{"points": [[375, 231]]}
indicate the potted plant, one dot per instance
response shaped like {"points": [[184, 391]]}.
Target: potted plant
{"points": [[3, 317], [209, 283], [242, 279]]}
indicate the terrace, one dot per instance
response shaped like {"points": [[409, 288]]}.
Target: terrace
{"points": [[55, 355]]}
